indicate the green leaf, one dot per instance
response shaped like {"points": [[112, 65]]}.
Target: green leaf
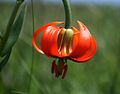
{"points": [[0, 38], [11, 21], [20, 0], [4, 60], [14, 32]]}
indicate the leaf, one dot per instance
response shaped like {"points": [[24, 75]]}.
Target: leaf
{"points": [[1, 36], [11, 21], [4, 60], [19, 92], [14, 32]]}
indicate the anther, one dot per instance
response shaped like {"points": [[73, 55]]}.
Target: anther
{"points": [[64, 71]]}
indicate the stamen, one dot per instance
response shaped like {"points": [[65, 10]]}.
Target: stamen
{"points": [[60, 69], [53, 65], [64, 71], [54, 68]]}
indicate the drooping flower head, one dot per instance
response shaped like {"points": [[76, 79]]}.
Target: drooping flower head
{"points": [[62, 44]]}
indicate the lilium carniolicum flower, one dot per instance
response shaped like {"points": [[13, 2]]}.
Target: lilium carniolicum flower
{"points": [[61, 43]]}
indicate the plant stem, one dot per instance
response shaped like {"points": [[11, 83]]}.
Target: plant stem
{"points": [[68, 15], [31, 68]]}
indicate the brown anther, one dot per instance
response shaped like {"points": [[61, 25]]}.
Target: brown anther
{"points": [[54, 68], [60, 69], [53, 65], [65, 68]]}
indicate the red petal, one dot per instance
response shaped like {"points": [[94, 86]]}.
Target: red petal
{"points": [[86, 46], [54, 43], [44, 41], [81, 41], [88, 54], [49, 41], [37, 33]]}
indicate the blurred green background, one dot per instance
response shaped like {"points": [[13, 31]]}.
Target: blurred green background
{"points": [[101, 75]]}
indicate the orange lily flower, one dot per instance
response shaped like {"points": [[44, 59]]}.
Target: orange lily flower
{"points": [[77, 45]]}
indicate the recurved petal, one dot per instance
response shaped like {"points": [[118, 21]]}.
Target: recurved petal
{"points": [[88, 54], [45, 39], [54, 43], [49, 41], [81, 40], [42, 28], [82, 27]]}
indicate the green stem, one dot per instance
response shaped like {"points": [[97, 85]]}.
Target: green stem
{"points": [[68, 15], [32, 64]]}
